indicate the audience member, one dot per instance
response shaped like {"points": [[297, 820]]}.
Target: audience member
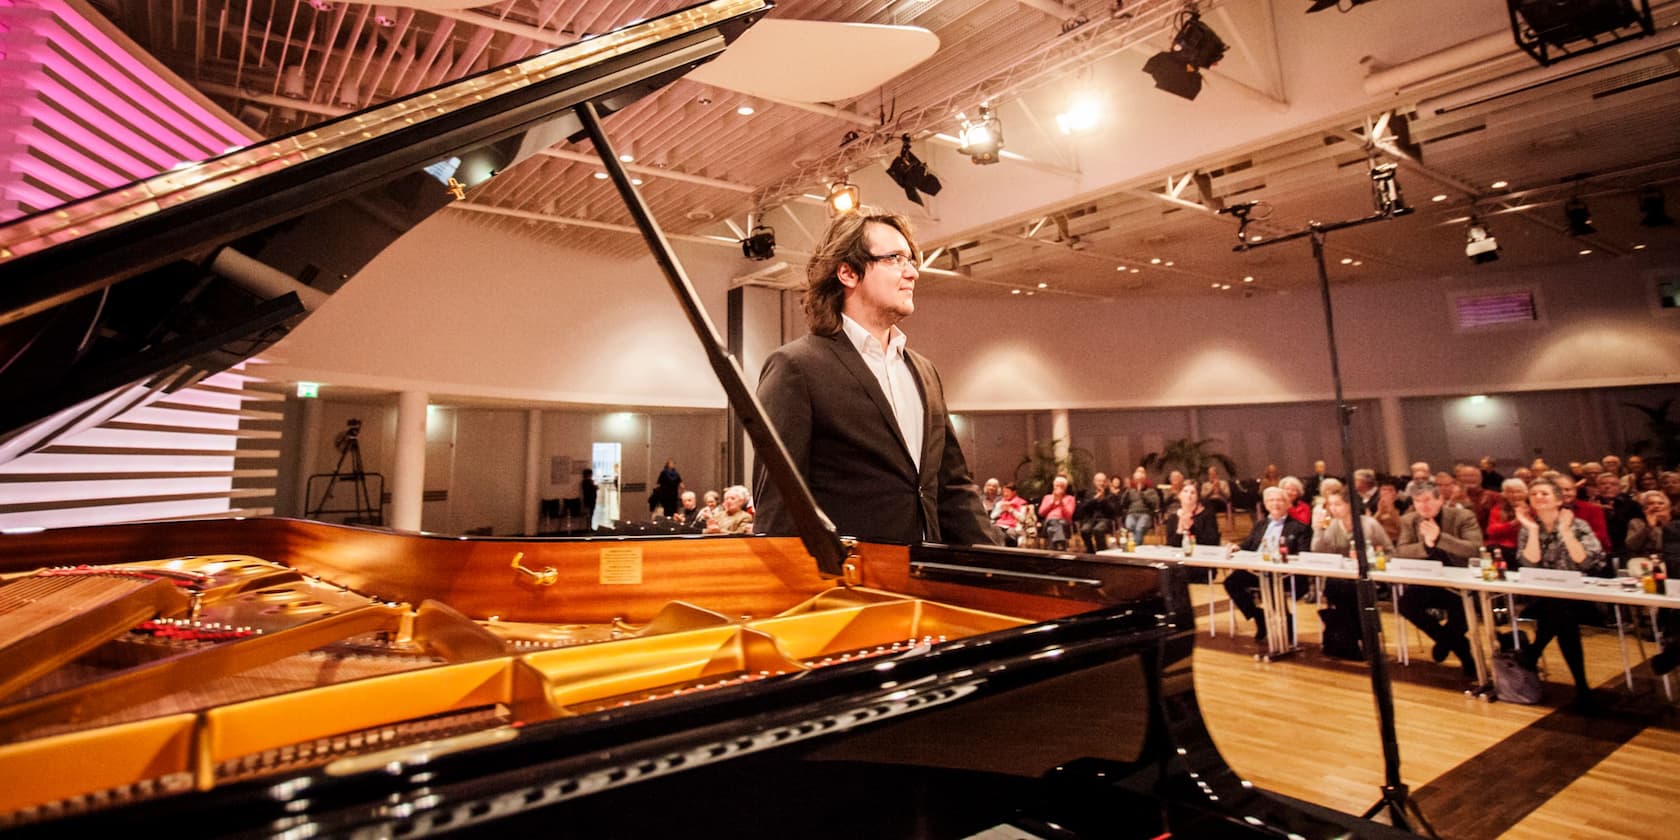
{"points": [[1175, 483], [1190, 517], [1298, 507], [1668, 481], [1055, 514], [1502, 528], [1365, 485], [1420, 477], [734, 518], [1270, 477], [1451, 493], [1011, 515], [1655, 527], [1140, 505], [1216, 494], [1619, 510], [1276, 529], [1587, 512], [990, 495], [1523, 474], [1312, 488], [1333, 534], [1632, 474], [1480, 500], [708, 509], [667, 490], [1388, 510], [688, 509], [1450, 535], [1326, 487], [1491, 479], [1552, 537], [1095, 515]]}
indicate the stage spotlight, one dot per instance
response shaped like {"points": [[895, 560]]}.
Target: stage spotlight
{"points": [[1385, 190], [982, 138], [1084, 112], [1574, 27], [1580, 219], [842, 198], [1178, 71], [909, 172], [1479, 244], [761, 244], [1652, 213]]}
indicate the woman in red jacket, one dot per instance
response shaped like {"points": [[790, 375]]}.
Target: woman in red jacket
{"points": [[1502, 529]]}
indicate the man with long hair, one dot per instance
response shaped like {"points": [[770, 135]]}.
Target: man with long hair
{"points": [[862, 416]]}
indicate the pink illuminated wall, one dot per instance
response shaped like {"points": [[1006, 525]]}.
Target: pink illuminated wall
{"points": [[81, 113]]}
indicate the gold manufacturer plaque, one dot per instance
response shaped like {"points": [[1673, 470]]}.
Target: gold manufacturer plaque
{"points": [[621, 564]]}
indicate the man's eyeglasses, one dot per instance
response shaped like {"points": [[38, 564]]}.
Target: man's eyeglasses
{"points": [[898, 261]]}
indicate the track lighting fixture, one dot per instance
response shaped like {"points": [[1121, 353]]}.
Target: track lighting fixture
{"points": [[1551, 30], [1652, 213], [1385, 190], [760, 244], [1579, 217], [1479, 244], [982, 138], [910, 173], [1178, 71], [842, 198]]}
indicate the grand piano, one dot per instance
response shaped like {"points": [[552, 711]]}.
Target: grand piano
{"points": [[284, 678]]}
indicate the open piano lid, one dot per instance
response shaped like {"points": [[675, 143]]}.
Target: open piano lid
{"points": [[151, 286], [923, 700]]}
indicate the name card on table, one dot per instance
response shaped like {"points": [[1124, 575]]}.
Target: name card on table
{"points": [[1416, 568], [1549, 577], [1211, 552], [1321, 560]]}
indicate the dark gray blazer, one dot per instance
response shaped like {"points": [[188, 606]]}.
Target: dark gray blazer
{"points": [[827, 405]]}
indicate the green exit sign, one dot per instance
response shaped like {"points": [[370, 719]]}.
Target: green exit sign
{"points": [[309, 390]]}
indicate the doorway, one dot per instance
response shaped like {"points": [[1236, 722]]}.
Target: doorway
{"points": [[606, 459]]}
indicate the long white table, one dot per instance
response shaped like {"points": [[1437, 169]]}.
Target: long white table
{"points": [[1466, 582]]}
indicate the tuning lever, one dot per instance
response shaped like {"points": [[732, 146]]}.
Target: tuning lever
{"points": [[547, 577]]}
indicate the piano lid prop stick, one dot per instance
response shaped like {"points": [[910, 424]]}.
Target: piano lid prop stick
{"points": [[816, 531]]}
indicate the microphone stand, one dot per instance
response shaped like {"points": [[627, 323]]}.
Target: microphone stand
{"points": [[1396, 797]]}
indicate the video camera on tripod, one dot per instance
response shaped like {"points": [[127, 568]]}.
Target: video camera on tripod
{"points": [[347, 438]]}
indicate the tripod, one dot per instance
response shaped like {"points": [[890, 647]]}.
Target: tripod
{"points": [[365, 510]]}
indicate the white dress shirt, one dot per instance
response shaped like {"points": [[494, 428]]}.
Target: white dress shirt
{"points": [[892, 371]]}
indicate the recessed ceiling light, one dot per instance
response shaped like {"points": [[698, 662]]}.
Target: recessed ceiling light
{"points": [[1585, 251], [1347, 260], [600, 176], [1358, 262], [1014, 291], [1226, 286], [1254, 238], [1639, 247], [1119, 268], [626, 157], [1438, 197], [1030, 293], [1216, 285], [1155, 261], [745, 110], [1499, 185], [1249, 279], [636, 181], [1167, 263], [1044, 285], [1132, 270]]}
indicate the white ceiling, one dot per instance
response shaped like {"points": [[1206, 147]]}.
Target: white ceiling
{"points": [[1283, 121]]}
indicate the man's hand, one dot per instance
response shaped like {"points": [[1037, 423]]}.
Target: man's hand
{"points": [[1429, 531]]}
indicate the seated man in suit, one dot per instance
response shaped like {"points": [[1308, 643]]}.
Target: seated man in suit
{"points": [[1276, 529], [1431, 530], [863, 417]]}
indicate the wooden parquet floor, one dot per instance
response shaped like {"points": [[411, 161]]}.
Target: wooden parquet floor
{"points": [[1307, 727]]}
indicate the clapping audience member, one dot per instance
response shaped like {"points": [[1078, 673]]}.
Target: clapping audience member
{"points": [[990, 495], [1216, 494], [1553, 537], [688, 509], [1647, 534], [1433, 531], [1588, 512], [1633, 473], [1055, 513], [733, 518], [1277, 529], [1502, 528], [1491, 479], [1333, 534], [1668, 481], [1011, 515], [708, 509], [1140, 505], [1192, 518], [1451, 493], [1096, 514]]}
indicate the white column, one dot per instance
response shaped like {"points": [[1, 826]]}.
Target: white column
{"points": [[408, 473], [309, 446], [1394, 435], [1059, 431], [533, 469]]}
